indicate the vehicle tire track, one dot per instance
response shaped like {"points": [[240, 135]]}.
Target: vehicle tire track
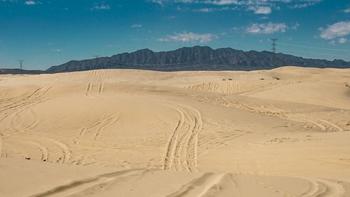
{"points": [[321, 124], [192, 143], [44, 152], [1, 144], [101, 84], [97, 128], [33, 97], [218, 184], [91, 82], [208, 184], [49, 148], [95, 84], [36, 97], [332, 126], [65, 151], [106, 123], [325, 188], [186, 189], [182, 147], [22, 100], [79, 186], [169, 155], [22, 104], [88, 88], [18, 126]]}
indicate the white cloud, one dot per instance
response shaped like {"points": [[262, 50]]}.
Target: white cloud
{"points": [[261, 10], [206, 9], [136, 26], [189, 37], [30, 2], [342, 40], [303, 3], [57, 50], [347, 10], [295, 26], [261, 6], [217, 2], [159, 2], [267, 28], [337, 30], [101, 6]]}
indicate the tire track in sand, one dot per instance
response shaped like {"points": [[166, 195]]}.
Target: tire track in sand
{"points": [[51, 150], [79, 186], [321, 124], [325, 188], [65, 151], [95, 84], [208, 184], [21, 104], [317, 187], [224, 184], [34, 97], [18, 126], [182, 147], [44, 152], [97, 127], [104, 124], [1, 144], [308, 121]]}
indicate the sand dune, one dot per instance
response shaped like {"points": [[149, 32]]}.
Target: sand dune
{"points": [[282, 132]]}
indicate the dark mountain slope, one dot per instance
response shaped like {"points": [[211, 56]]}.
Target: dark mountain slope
{"points": [[19, 71], [196, 58]]}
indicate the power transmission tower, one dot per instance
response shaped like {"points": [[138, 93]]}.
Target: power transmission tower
{"points": [[21, 64], [274, 44]]}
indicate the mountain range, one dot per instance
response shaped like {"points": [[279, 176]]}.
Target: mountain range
{"points": [[20, 71], [189, 59], [196, 58]]}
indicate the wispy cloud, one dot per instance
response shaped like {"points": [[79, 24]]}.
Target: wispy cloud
{"points": [[216, 2], [303, 3], [261, 10], [30, 2], [267, 28], [216, 9], [342, 40], [101, 6], [258, 6], [57, 50], [189, 37], [347, 10], [136, 26], [336, 30]]}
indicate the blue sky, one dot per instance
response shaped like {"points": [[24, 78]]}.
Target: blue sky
{"points": [[50, 32]]}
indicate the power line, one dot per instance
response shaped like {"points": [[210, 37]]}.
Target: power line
{"points": [[303, 50], [314, 54], [312, 47]]}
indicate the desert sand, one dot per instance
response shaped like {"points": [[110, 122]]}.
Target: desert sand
{"points": [[127, 133]]}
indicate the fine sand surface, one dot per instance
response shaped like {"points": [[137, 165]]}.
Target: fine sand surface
{"points": [[131, 133]]}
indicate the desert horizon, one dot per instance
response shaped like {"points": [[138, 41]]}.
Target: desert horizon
{"points": [[280, 132], [174, 98]]}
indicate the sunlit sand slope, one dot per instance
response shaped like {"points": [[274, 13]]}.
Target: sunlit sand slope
{"points": [[282, 132]]}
